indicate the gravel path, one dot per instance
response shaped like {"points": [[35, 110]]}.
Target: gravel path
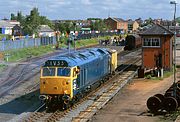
{"points": [[129, 105]]}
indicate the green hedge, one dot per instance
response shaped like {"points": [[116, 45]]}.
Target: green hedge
{"points": [[8, 37]]}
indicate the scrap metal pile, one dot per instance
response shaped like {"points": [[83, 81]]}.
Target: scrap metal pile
{"points": [[170, 101]]}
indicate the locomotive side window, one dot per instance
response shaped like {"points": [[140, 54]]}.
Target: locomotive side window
{"points": [[48, 71], [63, 71]]}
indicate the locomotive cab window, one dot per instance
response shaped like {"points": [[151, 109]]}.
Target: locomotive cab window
{"points": [[63, 71], [48, 71]]}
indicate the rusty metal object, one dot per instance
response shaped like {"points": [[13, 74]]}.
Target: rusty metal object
{"points": [[169, 101], [160, 96], [154, 104], [170, 104]]}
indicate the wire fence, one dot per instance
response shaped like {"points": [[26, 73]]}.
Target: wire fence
{"points": [[25, 43], [30, 42]]}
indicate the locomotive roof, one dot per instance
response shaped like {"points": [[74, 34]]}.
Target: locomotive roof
{"points": [[81, 57]]}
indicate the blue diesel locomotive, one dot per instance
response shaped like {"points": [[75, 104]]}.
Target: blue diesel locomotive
{"points": [[66, 77]]}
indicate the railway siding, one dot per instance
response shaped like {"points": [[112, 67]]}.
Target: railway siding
{"points": [[104, 98], [90, 104], [88, 108], [78, 107]]}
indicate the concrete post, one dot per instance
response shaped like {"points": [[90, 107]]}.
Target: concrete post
{"points": [[158, 73], [162, 73]]}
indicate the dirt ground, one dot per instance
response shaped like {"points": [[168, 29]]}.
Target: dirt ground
{"points": [[129, 105]]}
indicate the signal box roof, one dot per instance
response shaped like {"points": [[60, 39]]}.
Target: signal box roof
{"points": [[156, 29]]}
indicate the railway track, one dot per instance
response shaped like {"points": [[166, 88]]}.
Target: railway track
{"points": [[95, 99], [18, 79], [128, 73], [27, 70], [21, 73], [24, 71]]}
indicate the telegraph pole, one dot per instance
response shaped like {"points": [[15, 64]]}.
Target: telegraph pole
{"points": [[174, 63]]}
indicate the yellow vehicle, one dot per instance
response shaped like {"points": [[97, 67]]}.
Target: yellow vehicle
{"points": [[65, 78]]}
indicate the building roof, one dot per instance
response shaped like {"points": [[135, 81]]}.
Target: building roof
{"points": [[172, 27], [17, 27], [119, 19], [4, 23], [156, 29], [131, 22], [14, 22], [45, 28]]}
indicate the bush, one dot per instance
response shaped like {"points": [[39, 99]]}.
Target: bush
{"points": [[8, 37], [148, 76]]}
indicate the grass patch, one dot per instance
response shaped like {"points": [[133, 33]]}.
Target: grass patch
{"points": [[170, 116], [2, 67], [24, 53], [82, 43], [20, 54], [166, 75], [8, 37], [86, 42]]}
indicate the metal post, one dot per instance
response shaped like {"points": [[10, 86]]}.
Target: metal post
{"points": [[68, 46], [69, 39], [174, 82], [73, 41], [74, 37]]}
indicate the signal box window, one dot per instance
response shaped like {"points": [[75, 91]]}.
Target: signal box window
{"points": [[48, 72], [63, 72], [151, 42]]}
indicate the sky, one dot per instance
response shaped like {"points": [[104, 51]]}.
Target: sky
{"points": [[82, 9]]}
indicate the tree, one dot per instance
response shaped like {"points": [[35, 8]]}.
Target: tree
{"points": [[45, 21], [65, 27], [62, 27], [178, 20], [19, 16], [99, 25], [32, 22], [13, 17]]}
